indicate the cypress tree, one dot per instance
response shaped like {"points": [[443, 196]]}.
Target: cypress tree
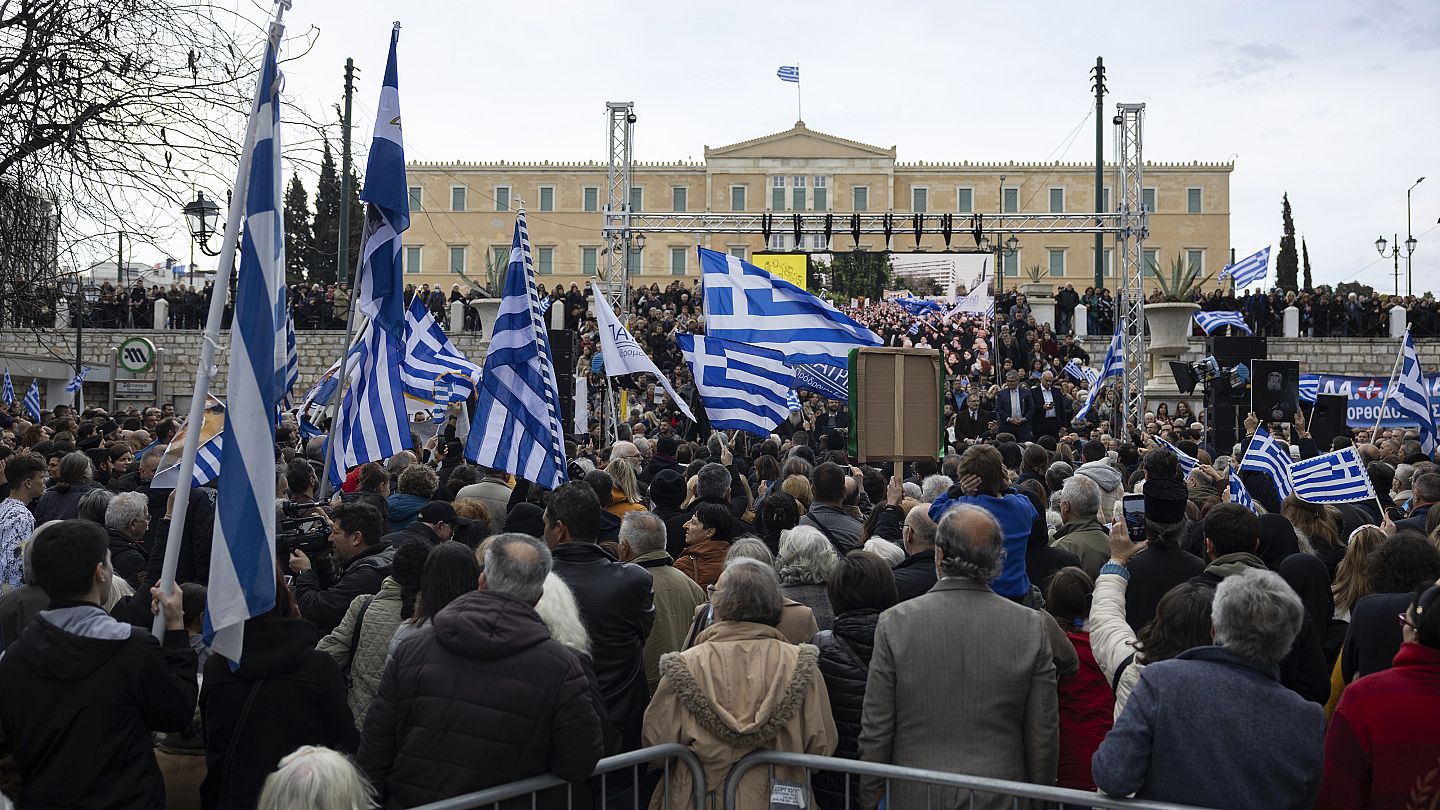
{"points": [[1305, 260], [356, 225], [325, 230], [1287, 267], [297, 232]]}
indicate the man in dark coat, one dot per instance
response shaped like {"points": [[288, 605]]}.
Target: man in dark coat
{"points": [[663, 458], [973, 421], [363, 560], [1163, 564], [916, 575], [83, 692], [1425, 492], [1015, 408], [667, 492], [483, 696]]}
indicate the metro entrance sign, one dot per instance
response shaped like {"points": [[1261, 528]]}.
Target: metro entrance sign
{"points": [[137, 355]]}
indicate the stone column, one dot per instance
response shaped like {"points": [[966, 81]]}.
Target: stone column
{"points": [[1292, 322], [457, 316], [1081, 320], [1398, 321], [162, 313], [1043, 308]]}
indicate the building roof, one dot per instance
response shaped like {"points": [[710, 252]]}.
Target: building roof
{"points": [[800, 142]]}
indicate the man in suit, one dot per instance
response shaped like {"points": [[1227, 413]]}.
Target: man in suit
{"points": [[1016, 407], [1052, 408], [999, 714], [973, 421]]}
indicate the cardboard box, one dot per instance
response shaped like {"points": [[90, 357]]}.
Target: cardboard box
{"points": [[897, 408]]}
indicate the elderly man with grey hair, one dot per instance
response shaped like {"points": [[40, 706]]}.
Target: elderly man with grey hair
{"points": [[1001, 720], [1081, 533], [1214, 727], [933, 487], [642, 541], [127, 518]]}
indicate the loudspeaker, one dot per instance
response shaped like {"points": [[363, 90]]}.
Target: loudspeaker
{"points": [[1275, 390], [562, 350], [1230, 352], [1224, 428], [1328, 419]]}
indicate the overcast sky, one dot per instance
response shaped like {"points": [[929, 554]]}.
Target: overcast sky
{"points": [[1336, 103]]}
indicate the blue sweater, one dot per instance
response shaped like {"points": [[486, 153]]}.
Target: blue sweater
{"points": [[1016, 516]]}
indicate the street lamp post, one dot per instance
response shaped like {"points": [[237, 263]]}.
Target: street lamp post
{"points": [[1393, 254], [202, 216], [1000, 250], [1409, 237]]}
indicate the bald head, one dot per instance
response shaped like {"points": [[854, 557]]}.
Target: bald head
{"points": [[970, 544], [919, 531]]}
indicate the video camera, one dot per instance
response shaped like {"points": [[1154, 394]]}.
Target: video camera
{"points": [[297, 532]]}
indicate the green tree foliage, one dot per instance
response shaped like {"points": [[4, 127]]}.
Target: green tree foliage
{"points": [[1344, 288], [325, 228], [856, 275], [356, 226], [298, 249], [1287, 266], [1305, 260]]}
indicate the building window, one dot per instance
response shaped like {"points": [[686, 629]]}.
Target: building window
{"points": [[781, 243], [1195, 260], [500, 259], [636, 260], [591, 198], [1010, 200], [545, 261], [457, 198], [637, 198], [738, 251], [1193, 201], [1057, 262], [677, 260], [862, 198], [820, 195], [777, 193], [502, 198], [1057, 200], [737, 198], [417, 196], [965, 200], [797, 192], [412, 259], [919, 199], [1150, 258], [1105, 201], [457, 259], [1147, 199], [679, 199], [547, 198], [589, 260], [1011, 263], [1109, 266]]}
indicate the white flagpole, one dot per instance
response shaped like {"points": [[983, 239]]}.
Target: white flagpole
{"points": [[212, 335], [799, 111], [1380, 416]]}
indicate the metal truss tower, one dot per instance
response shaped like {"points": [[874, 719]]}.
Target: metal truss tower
{"points": [[1130, 246], [615, 272]]}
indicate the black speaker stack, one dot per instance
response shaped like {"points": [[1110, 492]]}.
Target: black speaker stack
{"points": [[562, 351], [1228, 408]]}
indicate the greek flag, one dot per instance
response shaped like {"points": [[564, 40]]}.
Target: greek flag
{"points": [[1337, 477], [1188, 463], [387, 215], [1086, 374], [917, 306], [546, 304], [914, 328], [291, 374], [517, 418], [1411, 398], [1309, 388], [1114, 366], [32, 401], [743, 387], [792, 401], [789, 73], [207, 455], [430, 356], [76, 381], [831, 382], [1240, 495], [242, 551], [745, 304], [1210, 321], [1248, 270], [9, 393], [1266, 454]]}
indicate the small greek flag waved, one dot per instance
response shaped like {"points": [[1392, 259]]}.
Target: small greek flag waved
{"points": [[1309, 388], [1411, 397], [1240, 495], [1188, 463], [745, 304], [914, 328], [32, 401], [1114, 366], [789, 73], [1248, 270], [291, 374], [9, 393], [831, 382], [1337, 477], [743, 387], [76, 381], [1268, 455], [793, 401], [1076, 371], [546, 304], [430, 357], [517, 417], [1210, 321]]}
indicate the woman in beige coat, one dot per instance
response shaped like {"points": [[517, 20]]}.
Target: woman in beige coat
{"points": [[742, 687]]}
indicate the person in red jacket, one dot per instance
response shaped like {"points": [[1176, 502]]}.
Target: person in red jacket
{"points": [[1087, 704], [1383, 746]]}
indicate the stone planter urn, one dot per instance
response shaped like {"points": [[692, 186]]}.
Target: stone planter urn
{"points": [[1169, 332]]}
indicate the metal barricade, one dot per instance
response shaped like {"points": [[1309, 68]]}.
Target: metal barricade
{"points": [[635, 762], [977, 787]]}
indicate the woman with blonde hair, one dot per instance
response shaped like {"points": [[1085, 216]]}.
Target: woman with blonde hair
{"points": [[798, 487], [625, 497], [1352, 583]]}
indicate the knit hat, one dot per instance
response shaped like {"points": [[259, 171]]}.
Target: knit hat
{"points": [[526, 518], [1165, 500], [667, 489]]}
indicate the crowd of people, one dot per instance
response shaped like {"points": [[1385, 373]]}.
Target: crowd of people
{"points": [[440, 628]]}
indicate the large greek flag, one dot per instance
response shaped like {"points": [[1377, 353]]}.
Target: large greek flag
{"points": [[1411, 397], [743, 387], [1114, 366], [1338, 477], [831, 382], [1248, 270], [242, 552], [430, 357], [745, 304], [517, 417], [1210, 321], [1268, 455]]}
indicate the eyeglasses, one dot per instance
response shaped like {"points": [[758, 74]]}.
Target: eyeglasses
{"points": [[1403, 619]]}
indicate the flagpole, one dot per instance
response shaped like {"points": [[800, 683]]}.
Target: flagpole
{"points": [[1390, 383], [799, 110], [338, 398], [211, 339]]}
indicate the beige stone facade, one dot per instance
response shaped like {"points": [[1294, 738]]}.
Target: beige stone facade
{"points": [[462, 213]]}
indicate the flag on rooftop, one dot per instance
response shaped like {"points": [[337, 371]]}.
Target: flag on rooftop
{"points": [[742, 387], [1248, 270], [207, 456], [745, 304], [1411, 397], [1338, 477], [1210, 321], [430, 356], [1271, 456], [76, 381], [623, 355], [1114, 366], [517, 417], [32, 401], [789, 73]]}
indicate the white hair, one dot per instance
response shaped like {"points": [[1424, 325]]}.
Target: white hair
{"points": [[912, 490], [124, 508], [1256, 616], [318, 778], [892, 554], [560, 612], [1082, 494], [933, 487], [806, 557]]}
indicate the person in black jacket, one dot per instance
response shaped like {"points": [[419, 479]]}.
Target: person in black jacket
{"points": [[1397, 567], [860, 588], [282, 695], [667, 492], [127, 519], [616, 600], [83, 692], [61, 500], [364, 562], [916, 575], [482, 695]]}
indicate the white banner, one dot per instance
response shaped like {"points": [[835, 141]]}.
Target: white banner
{"points": [[625, 356]]}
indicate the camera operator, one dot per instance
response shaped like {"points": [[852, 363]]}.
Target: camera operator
{"points": [[363, 562]]}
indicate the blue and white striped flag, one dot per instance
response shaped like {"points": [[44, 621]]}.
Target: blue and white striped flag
{"points": [[789, 73], [745, 304], [1114, 366], [9, 393], [242, 551], [1412, 398], [914, 328], [208, 455], [1188, 463], [743, 387], [517, 417], [1268, 455], [831, 382], [1080, 373], [1309, 388], [545, 304], [1240, 495], [793, 401], [1248, 270], [76, 381], [291, 374], [1210, 321], [1338, 477], [430, 356], [32, 401], [917, 306]]}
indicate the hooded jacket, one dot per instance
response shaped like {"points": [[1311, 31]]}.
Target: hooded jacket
{"points": [[402, 508], [82, 694], [741, 688], [295, 697], [1110, 481], [845, 664], [478, 697]]}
